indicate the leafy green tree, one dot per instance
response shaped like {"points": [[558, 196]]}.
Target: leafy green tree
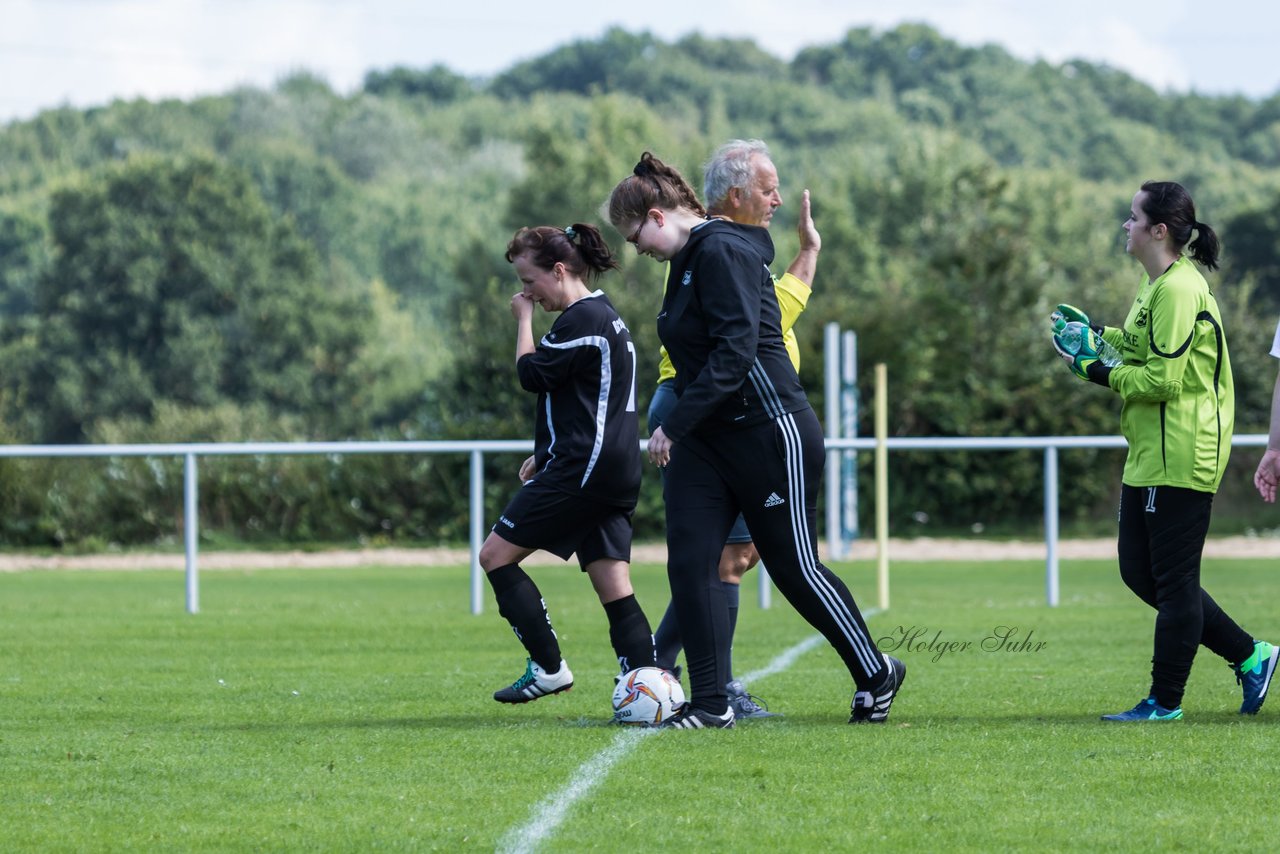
{"points": [[947, 267], [582, 67], [172, 282], [436, 83], [309, 189], [298, 262], [22, 246], [1254, 249]]}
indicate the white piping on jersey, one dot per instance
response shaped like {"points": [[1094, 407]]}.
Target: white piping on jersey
{"points": [[602, 401], [868, 657]]}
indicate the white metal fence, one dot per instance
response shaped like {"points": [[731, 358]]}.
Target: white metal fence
{"points": [[191, 488], [191, 453]]}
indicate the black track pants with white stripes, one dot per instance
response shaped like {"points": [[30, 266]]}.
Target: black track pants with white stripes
{"points": [[772, 474]]}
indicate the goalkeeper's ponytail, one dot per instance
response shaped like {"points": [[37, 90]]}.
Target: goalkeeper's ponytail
{"points": [[1205, 248], [1168, 202]]}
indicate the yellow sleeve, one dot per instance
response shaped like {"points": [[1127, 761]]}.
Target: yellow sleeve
{"points": [[666, 370], [793, 297]]}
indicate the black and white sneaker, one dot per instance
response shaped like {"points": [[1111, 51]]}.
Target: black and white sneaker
{"points": [[535, 683], [691, 718], [872, 707]]}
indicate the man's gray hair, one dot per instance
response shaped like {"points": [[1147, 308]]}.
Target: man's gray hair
{"points": [[730, 167]]}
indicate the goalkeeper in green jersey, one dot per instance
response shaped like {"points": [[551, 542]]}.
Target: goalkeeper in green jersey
{"points": [[1177, 416]]}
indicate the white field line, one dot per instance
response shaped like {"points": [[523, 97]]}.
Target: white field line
{"points": [[787, 658], [551, 812]]}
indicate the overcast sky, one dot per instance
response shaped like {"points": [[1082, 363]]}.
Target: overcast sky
{"points": [[87, 52]]}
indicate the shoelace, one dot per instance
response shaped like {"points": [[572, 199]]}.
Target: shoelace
{"points": [[527, 679]]}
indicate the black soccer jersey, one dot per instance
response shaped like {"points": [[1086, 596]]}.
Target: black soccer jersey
{"points": [[587, 439]]}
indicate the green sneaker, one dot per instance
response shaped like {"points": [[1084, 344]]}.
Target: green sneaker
{"points": [[1254, 676], [1146, 710]]}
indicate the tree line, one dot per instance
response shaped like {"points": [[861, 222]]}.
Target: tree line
{"points": [[293, 264]]}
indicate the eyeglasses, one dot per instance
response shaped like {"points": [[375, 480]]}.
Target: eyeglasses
{"points": [[635, 235]]}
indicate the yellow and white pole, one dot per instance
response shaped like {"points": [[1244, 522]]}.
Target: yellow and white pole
{"points": [[882, 485]]}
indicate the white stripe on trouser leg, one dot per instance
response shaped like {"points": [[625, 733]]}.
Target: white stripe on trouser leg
{"points": [[766, 390], [835, 606]]}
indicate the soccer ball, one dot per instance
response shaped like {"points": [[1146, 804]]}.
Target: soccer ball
{"points": [[646, 696]]}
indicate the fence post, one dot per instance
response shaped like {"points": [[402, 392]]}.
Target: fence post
{"points": [[1051, 525], [764, 587], [191, 530], [831, 394], [849, 530], [882, 484], [477, 530]]}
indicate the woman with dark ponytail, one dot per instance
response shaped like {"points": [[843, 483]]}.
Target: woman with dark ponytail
{"points": [[740, 438], [581, 484], [1177, 416]]}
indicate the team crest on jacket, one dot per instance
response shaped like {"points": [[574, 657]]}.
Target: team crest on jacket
{"points": [[688, 277], [1141, 320]]}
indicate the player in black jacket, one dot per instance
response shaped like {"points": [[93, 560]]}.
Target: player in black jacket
{"points": [[582, 482], [741, 438]]}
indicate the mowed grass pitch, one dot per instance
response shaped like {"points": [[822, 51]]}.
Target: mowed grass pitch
{"points": [[350, 710]]}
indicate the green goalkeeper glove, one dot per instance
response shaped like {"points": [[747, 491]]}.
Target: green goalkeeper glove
{"points": [[1068, 314], [1085, 362]]}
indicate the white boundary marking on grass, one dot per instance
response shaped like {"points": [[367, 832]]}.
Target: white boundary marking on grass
{"points": [[788, 658], [550, 812]]}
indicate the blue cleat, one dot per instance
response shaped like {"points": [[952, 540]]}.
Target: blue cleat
{"points": [[746, 706], [1146, 710], [1254, 676]]}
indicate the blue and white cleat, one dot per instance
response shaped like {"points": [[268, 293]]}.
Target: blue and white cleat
{"points": [[1146, 710], [1254, 676]]}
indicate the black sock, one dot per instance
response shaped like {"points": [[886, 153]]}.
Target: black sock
{"points": [[667, 639], [731, 596], [630, 633], [521, 604]]}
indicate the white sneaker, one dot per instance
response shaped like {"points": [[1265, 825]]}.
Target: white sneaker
{"points": [[535, 683]]}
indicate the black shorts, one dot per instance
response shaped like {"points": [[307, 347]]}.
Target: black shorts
{"points": [[539, 517]]}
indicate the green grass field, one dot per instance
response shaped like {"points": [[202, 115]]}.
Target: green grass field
{"points": [[350, 710]]}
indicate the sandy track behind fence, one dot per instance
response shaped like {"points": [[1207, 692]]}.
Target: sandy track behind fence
{"points": [[931, 549]]}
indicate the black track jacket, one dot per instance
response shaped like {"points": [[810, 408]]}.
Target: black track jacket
{"points": [[722, 327]]}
